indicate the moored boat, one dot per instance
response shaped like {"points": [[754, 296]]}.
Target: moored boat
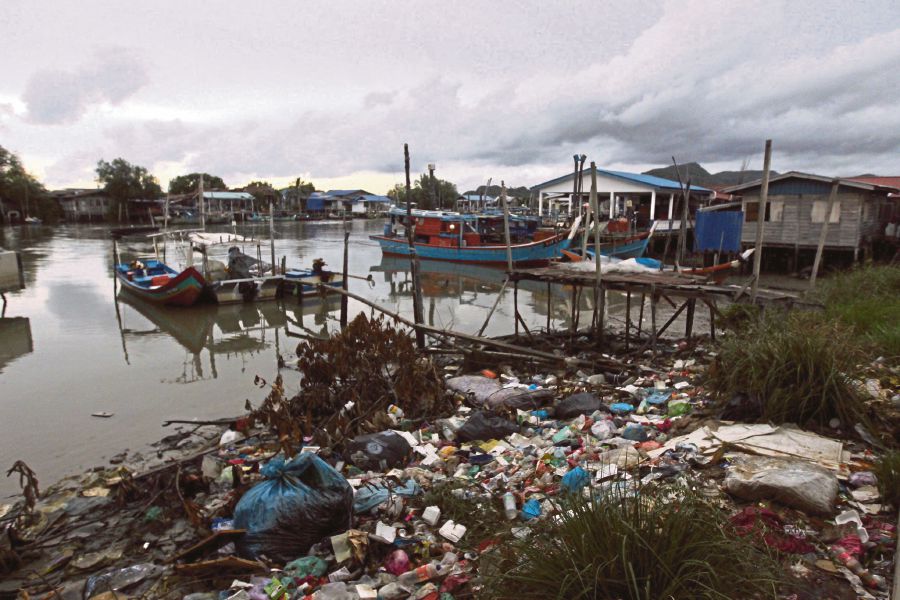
{"points": [[477, 239], [156, 282], [302, 283]]}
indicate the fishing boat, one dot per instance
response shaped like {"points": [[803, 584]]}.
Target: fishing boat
{"points": [[302, 283], [456, 237], [156, 282], [245, 278], [150, 278], [715, 273]]}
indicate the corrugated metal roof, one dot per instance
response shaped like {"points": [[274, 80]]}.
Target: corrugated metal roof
{"points": [[347, 192], [639, 178], [228, 195], [859, 183], [375, 198], [891, 182]]}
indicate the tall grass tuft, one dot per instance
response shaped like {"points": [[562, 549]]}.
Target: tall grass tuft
{"points": [[797, 365], [868, 301], [887, 469], [639, 547]]}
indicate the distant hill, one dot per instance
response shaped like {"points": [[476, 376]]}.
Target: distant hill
{"points": [[703, 178], [494, 191]]}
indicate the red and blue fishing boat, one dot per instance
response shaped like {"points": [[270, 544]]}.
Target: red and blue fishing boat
{"points": [[439, 235], [159, 283]]}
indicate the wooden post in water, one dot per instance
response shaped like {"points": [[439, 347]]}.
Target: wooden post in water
{"points": [[761, 219], [509, 260], [418, 316], [835, 184], [200, 202], [272, 234], [344, 282], [599, 295]]}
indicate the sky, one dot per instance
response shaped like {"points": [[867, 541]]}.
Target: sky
{"points": [[330, 91]]}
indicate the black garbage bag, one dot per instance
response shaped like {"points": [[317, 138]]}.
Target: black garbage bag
{"points": [[583, 403], [484, 425], [299, 503], [379, 451]]}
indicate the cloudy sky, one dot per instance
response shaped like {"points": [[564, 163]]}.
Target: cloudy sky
{"points": [[330, 91]]}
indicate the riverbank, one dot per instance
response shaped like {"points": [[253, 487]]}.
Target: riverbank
{"points": [[481, 434]]}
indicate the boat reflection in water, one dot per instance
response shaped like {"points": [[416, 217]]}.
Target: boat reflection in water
{"points": [[235, 331], [15, 333], [467, 282]]}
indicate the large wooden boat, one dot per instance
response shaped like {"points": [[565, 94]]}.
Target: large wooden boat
{"points": [[456, 237]]}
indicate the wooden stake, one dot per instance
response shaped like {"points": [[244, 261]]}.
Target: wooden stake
{"points": [[509, 260], [345, 273], [761, 219], [835, 184], [599, 296], [418, 315]]}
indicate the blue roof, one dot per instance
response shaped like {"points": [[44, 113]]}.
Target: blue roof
{"points": [[356, 192], [375, 198], [639, 178]]}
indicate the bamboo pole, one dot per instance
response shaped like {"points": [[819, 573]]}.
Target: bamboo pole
{"points": [[509, 260], [200, 202], [413, 260], [599, 297], [345, 274], [835, 184], [761, 219], [272, 234]]}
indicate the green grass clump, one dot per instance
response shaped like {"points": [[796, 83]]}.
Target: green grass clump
{"points": [[887, 470], [640, 547], [797, 364], [868, 301], [480, 514]]}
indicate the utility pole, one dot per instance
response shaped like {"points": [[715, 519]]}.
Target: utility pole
{"points": [[761, 219], [418, 315]]}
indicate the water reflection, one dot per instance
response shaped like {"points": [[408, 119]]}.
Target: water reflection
{"points": [[236, 331], [17, 342]]}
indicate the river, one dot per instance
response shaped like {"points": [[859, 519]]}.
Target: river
{"points": [[69, 348]]}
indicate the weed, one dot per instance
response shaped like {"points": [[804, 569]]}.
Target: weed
{"points": [[887, 469], [797, 365], [480, 514], [868, 301], [642, 546]]}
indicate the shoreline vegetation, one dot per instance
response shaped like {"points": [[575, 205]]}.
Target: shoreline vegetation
{"points": [[599, 474]]}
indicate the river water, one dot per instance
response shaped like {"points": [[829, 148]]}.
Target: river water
{"points": [[70, 346]]}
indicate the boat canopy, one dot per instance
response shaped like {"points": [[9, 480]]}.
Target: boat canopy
{"points": [[205, 238]]}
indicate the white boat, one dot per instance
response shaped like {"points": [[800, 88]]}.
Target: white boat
{"points": [[243, 278], [303, 283]]}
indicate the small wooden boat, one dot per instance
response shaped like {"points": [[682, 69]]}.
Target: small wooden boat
{"points": [[245, 279], [719, 273], [301, 283], [159, 283]]}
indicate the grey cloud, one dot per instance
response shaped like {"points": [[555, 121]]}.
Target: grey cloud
{"points": [[55, 97]]}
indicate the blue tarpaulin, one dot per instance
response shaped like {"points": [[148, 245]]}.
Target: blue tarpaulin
{"points": [[718, 230]]}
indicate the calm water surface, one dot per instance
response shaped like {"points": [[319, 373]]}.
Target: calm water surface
{"points": [[69, 347]]}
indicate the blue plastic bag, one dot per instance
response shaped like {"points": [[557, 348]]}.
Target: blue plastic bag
{"points": [[300, 502], [575, 479]]}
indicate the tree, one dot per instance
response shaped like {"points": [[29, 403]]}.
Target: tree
{"points": [[20, 188], [263, 192], [187, 184], [123, 181], [424, 195]]}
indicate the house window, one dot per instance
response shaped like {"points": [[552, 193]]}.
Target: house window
{"points": [[819, 209], [774, 211]]}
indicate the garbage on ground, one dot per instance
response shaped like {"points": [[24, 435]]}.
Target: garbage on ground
{"points": [[413, 507]]}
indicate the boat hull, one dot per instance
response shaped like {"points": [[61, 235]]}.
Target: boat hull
{"points": [[631, 249], [182, 290], [255, 289], [305, 283], [534, 253]]}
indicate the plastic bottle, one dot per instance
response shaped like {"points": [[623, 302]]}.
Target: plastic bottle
{"points": [[868, 578], [509, 506], [418, 575]]}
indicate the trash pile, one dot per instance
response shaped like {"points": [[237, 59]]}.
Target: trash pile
{"points": [[413, 510]]}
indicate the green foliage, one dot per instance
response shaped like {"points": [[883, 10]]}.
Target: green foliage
{"points": [[124, 181], [643, 546], [868, 301], [793, 365], [20, 188], [263, 192], [887, 470], [426, 195], [186, 184], [521, 193], [481, 514]]}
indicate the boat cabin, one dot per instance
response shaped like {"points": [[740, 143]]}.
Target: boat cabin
{"points": [[450, 229]]}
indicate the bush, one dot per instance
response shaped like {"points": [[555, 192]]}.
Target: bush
{"points": [[868, 301], [797, 365], [887, 469], [637, 547]]}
